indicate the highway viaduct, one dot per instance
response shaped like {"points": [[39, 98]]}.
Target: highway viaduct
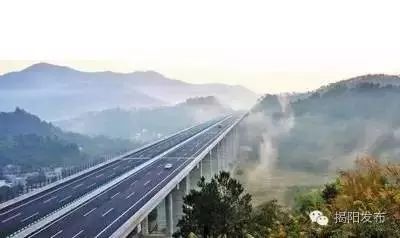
{"points": [[131, 195]]}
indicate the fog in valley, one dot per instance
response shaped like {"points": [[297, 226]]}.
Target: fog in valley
{"points": [[290, 143]]}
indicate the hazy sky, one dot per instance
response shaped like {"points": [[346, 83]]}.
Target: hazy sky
{"points": [[267, 46]]}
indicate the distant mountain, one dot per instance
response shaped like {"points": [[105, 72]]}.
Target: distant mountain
{"points": [[336, 123], [28, 141], [21, 122], [380, 79], [146, 124], [56, 92]]}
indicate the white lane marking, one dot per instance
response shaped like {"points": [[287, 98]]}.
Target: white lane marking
{"points": [[159, 173], [10, 218], [91, 185], [134, 182], [27, 218], [113, 196], [55, 190], [146, 183], [77, 186], [130, 195], [105, 214], [87, 213], [151, 190], [185, 163], [115, 185], [98, 176], [148, 173], [67, 197], [77, 234], [48, 200], [56, 234]]}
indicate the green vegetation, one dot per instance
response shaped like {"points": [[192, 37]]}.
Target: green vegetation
{"points": [[31, 143], [335, 124], [222, 209], [144, 124], [33, 151], [8, 193]]}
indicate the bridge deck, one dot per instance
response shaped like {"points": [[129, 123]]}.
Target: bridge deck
{"points": [[25, 212], [105, 213]]}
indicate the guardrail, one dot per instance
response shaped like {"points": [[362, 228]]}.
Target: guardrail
{"points": [[135, 220], [64, 210], [88, 170]]}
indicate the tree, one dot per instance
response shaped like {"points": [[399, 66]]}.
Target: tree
{"points": [[372, 187], [5, 193], [308, 201], [369, 188], [330, 192], [220, 208], [271, 220]]}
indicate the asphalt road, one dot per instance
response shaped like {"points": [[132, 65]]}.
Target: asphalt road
{"points": [[104, 214], [25, 212]]}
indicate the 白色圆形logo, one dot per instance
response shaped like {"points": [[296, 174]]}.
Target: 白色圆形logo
{"points": [[319, 218]]}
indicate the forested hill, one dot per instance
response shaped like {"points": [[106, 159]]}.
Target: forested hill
{"points": [[28, 141], [21, 122], [364, 100], [145, 124], [338, 122]]}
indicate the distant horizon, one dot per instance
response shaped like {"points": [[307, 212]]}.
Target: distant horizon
{"points": [[265, 46], [101, 66]]}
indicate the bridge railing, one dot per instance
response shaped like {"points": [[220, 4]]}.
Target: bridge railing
{"points": [[74, 172], [135, 220]]}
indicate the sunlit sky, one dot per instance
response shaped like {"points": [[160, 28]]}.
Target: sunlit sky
{"points": [[267, 46]]}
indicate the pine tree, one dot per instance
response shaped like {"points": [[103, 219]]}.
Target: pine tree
{"points": [[220, 208]]}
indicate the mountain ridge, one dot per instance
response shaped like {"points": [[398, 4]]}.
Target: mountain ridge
{"points": [[29, 141], [44, 89], [144, 124], [379, 79], [42, 66], [325, 131]]}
